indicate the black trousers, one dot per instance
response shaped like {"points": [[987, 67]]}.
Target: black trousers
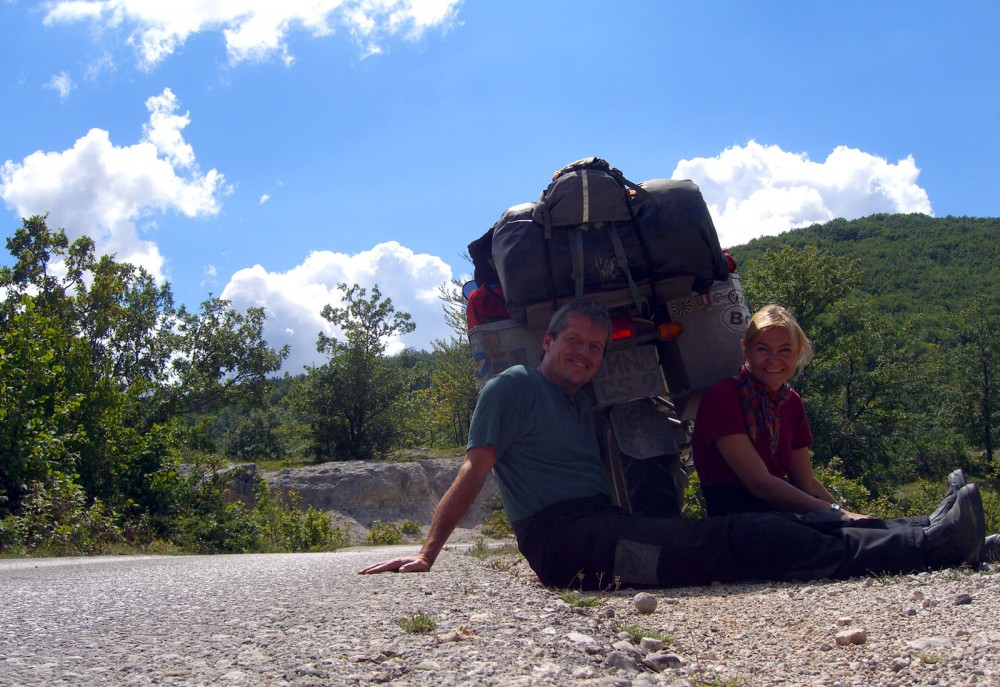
{"points": [[591, 544]]}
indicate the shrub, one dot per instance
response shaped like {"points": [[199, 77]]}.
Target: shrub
{"points": [[849, 493], [56, 520], [496, 525], [694, 502], [409, 529], [383, 534]]}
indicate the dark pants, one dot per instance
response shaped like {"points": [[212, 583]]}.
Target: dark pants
{"points": [[590, 544]]}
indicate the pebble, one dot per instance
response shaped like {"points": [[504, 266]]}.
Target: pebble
{"points": [[856, 636], [644, 602]]}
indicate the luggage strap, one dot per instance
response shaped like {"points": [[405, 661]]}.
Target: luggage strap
{"points": [[575, 237], [616, 242]]}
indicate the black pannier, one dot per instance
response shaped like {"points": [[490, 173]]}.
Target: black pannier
{"points": [[593, 231]]}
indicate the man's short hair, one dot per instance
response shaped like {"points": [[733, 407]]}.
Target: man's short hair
{"points": [[592, 310]]}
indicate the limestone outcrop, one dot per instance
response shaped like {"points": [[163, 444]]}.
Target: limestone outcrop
{"points": [[361, 492]]}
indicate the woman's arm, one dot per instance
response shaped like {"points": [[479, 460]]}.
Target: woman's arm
{"points": [[802, 476], [742, 458]]}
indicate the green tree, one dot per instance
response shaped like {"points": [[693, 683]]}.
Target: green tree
{"points": [[353, 400], [218, 357], [807, 281], [450, 400], [858, 390], [96, 367], [975, 362]]}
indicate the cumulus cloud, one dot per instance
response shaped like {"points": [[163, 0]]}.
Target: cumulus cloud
{"points": [[62, 84], [293, 299], [757, 190], [103, 190], [256, 30]]}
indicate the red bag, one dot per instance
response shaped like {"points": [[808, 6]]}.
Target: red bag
{"points": [[485, 305]]}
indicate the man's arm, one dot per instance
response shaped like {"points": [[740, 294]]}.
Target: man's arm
{"points": [[449, 512]]}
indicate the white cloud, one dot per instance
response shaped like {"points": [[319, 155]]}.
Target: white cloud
{"points": [[256, 30], [102, 190], [264, 198], [62, 84], [758, 190], [293, 299]]}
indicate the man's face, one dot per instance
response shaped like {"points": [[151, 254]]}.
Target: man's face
{"points": [[571, 359]]}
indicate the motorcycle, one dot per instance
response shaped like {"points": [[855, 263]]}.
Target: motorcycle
{"points": [[669, 343]]}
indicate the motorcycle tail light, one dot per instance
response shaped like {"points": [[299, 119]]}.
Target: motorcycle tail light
{"points": [[670, 330], [622, 328]]}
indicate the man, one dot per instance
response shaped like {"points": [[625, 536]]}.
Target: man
{"points": [[534, 428]]}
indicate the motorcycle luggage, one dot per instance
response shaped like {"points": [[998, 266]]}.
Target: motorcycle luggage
{"points": [[672, 235]]}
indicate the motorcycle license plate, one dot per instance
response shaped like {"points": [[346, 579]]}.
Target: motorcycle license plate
{"points": [[627, 375]]}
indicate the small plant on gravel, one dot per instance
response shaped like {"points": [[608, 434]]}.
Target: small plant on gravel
{"points": [[503, 564], [502, 558], [418, 624], [383, 534], [496, 525], [579, 599], [638, 633], [479, 549]]}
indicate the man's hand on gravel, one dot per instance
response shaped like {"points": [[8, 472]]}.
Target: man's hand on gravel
{"points": [[406, 564]]}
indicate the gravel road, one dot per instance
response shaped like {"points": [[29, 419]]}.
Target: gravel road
{"points": [[308, 619]]}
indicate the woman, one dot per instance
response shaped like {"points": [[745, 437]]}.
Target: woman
{"points": [[751, 436]]}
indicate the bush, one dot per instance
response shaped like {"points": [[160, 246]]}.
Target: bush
{"points": [[496, 525], [56, 520], [383, 534], [289, 528], [409, 529], [694, 502], [849, 493]]}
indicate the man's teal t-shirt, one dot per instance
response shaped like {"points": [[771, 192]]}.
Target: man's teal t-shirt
{"points": [[547, 451]]}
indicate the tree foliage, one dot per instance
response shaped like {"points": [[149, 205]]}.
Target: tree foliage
{"points": [[102, 379], [354, 399], [976, 362]]}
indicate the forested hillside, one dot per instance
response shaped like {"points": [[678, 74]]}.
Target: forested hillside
{"points": [[913, 264]]}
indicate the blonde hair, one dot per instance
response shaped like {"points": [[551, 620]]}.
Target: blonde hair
{"points": [[772, 316]]}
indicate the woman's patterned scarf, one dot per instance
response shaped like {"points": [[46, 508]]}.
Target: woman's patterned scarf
{"points": [[761, 406]]}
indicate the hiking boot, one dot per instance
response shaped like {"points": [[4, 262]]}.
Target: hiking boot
{"points": [[956, 480], [957, 537], [991, 550]]}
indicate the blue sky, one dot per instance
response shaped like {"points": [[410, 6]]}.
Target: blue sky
{"points": [[266, 151]]}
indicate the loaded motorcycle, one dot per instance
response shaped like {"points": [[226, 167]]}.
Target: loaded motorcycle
{"points": [[650, 254]]}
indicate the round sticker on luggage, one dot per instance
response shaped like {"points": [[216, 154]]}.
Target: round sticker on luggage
{"points": [[735, 318]]}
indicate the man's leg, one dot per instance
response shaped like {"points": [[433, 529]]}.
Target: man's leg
{"points": [[599, 549]]}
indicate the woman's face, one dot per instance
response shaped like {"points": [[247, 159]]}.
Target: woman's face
{"points": [[771, 356]]}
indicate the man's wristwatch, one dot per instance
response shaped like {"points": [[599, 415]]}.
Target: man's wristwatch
{"points": [[835, 507]]}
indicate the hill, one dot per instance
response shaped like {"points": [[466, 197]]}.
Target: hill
{"points": [[914, 264]]}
